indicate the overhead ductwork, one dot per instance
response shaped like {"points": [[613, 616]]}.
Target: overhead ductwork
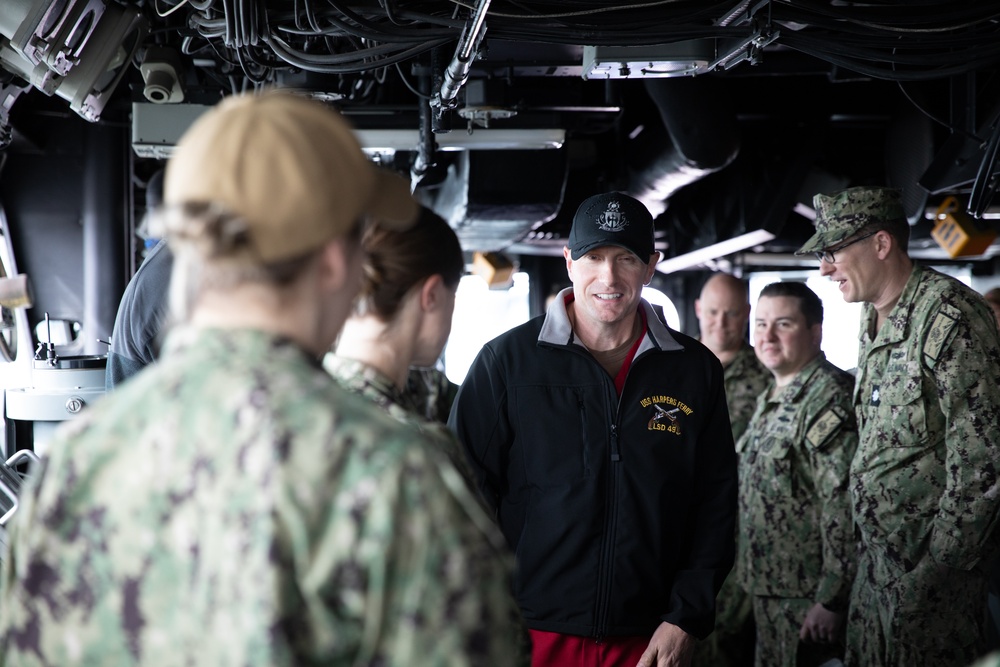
{"points": [[699, 136], [476, 198]]}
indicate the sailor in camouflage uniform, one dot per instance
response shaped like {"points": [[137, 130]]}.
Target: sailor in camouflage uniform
{"points": [[402, 321], [232, 505], [745, 380], [924, 479], [723, 310], [796, 543]]}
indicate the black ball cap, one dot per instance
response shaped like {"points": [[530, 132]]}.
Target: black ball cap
{"points": [[615, 219]]}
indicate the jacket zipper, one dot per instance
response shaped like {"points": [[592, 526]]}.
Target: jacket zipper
{"points": [[611, 528], [611, 521]]}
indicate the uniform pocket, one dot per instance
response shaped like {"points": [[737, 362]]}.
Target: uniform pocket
{"points": [[568, 421], [770, 469], [937, 607], [902, 418]]}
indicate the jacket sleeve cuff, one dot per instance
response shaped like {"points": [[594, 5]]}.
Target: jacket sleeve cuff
{"points": [[833, 593]]}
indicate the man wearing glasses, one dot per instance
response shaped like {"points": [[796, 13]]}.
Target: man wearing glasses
{"points": [[924, 481]]}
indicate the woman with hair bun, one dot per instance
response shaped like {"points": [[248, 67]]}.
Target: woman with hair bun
{"points": [[402, 320]]}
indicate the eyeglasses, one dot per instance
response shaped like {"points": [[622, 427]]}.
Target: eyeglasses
{"points": [[827, 255]]}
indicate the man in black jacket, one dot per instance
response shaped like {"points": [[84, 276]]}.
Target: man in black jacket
{"points": [[601, 440]]}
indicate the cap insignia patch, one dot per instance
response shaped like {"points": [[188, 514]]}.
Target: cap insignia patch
{"points": [[613, 219]]}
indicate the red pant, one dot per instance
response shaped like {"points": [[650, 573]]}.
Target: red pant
{"points": [[550, 649]]}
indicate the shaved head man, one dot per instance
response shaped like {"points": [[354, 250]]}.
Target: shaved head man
{"points": [[723, 310]]}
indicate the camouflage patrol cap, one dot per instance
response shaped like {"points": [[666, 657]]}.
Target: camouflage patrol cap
{"points": [[843, 213]]}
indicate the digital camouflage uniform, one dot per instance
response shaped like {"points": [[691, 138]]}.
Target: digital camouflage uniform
{"points": [[745, 379], [731, 643], [796, 542], [406, 406], [432, 392], [233, 506], [924, 480]]}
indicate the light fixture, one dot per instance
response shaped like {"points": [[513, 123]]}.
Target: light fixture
{"points": [[685, 58], [379, 141], [714, 251], [156, 128]]}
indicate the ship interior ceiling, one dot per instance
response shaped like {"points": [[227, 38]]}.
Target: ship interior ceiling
{"points": [[723, 117]]}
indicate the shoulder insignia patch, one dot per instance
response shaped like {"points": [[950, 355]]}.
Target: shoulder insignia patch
{"points": [[940, 333], [828, 423]]}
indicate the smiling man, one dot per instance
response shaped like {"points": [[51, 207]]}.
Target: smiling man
{"points": [[924, 480], [600, 439], [723, 311], [796, 543]]}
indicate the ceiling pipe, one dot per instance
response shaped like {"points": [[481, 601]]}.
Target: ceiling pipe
{"points": [[457, 72], [702, 138]]}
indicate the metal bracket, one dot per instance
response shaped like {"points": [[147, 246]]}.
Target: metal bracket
{"points": [[750, 47]]}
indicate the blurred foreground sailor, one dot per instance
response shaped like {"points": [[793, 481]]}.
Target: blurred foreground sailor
{"points": [[924, 481], [232, 505]]}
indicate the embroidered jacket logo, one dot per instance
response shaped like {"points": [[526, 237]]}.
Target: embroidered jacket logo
{"points": [[613, 219], [667, 413]]}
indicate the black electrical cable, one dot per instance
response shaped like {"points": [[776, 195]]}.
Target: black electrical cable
{"points": [[902, 53], [926, 42], [254, 55], [389, 12], [368, 54], [984, 186], [385, 31], [922, 60], [338, 27], [882, 18], [242, 27], [889, 74], [408, 85], [306, 62], [247, 69], [931, 116], [312, 16], [418, 18], [229, 39], [209, 32], [250, 22], [368, 30]]}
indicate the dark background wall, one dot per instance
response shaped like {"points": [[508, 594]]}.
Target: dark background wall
{"points": [[64, 187]]}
